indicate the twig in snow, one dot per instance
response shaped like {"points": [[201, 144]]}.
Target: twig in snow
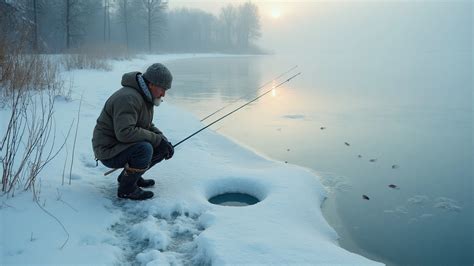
{"points": [[69, 205], [75, 138], [60, 198], [52, 216], [65, 163]]}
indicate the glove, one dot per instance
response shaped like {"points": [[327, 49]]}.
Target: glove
{"points": [[167, 148], [170, 150]]}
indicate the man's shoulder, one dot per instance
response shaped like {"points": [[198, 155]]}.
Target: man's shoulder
{"points": [[127, 95], [126, 92]]}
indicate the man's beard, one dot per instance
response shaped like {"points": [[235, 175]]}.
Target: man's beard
{"points": [[157, 101]]}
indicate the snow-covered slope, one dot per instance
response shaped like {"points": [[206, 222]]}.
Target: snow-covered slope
{"points": [[179, 225]]}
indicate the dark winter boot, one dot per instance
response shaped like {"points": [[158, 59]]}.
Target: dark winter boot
{"points": [[128, 188], [145, 182], [120, 176], [141, 181], [137, 194]]}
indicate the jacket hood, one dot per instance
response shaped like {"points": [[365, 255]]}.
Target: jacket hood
{"points": [[130, 80]]}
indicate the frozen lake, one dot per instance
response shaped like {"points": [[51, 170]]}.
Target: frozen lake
{"points": [[396, 128]]}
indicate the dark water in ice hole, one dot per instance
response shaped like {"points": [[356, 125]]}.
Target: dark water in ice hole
{"points": [[401, 128], [234, 199]]}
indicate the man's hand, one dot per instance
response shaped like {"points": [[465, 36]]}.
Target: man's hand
{"points": [[167, 148], [170, 150]]}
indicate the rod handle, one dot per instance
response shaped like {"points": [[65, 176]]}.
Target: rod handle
{"points": [[110, 171]]}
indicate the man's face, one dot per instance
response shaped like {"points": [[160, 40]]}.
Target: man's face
{"points": [[157, 91]]}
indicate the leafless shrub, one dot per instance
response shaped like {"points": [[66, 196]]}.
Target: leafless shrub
{"points": [[110, 51], [36, 200], [43, 126], [94, 57], [65, 163], [29, 141], [29, 84], [85, 61], [75, 139], [29, 72]]}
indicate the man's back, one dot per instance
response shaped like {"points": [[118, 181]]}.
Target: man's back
{"points": [[125, 137], [124, 112]]}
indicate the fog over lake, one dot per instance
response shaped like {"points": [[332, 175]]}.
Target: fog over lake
{"points": [[359, 111], [383, 108]]}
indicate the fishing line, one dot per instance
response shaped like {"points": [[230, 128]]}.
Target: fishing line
{"points": [[235, 110], [224, 116], [243, 97]]}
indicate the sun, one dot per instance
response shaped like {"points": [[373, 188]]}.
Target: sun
{"points": [[276, 13]]}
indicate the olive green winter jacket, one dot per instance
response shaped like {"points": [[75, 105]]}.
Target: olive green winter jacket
{"points": [[125, 119]]}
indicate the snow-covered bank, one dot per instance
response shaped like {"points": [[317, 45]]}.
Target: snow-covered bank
{"points": [[179, 225]]}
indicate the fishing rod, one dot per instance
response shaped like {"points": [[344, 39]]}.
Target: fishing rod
{"points": [[235, 110], [222, 117], [243, 97]]}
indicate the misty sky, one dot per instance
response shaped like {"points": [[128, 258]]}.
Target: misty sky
{"points": [[358, 26]]}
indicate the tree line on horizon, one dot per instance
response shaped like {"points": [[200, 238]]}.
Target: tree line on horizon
{"points": [[134, 26]]}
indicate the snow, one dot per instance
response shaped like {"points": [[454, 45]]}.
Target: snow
{"points": [[179, 225]]}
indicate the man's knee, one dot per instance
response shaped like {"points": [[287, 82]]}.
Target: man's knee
{"points": [[141, 155], [144, 147]]}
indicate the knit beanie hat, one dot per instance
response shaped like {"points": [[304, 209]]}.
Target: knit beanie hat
{"points": [[159, 75]]}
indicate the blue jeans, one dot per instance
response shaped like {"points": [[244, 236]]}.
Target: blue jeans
{"points": [[140, 155]]}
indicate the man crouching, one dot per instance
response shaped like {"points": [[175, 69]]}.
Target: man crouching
{"points": [[125, 136]]}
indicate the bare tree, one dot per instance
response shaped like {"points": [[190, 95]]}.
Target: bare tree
{"points": [[35, 19], [15, 27], [191, 30], [37, 12], [124, 16], [228, 19], [154, 14], [77, 14], [207, 30], [34, 9], [68, 22], [49, 24], [235, 30], [107, 20], [248, 24]]}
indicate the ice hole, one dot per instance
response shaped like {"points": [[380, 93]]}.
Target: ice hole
{"points": [[236, 191], [234, 199]]}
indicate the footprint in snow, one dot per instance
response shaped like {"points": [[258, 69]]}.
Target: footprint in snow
{"points": [[75, 177], [172, 236], [88, 161]]}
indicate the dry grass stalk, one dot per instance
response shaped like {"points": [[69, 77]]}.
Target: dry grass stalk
{"points": [[75, 139], [36, 200], [28, 85]]}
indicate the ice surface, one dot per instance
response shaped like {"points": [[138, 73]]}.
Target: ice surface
{"points": [[294, 116], [418, 200], [447, 204]]}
